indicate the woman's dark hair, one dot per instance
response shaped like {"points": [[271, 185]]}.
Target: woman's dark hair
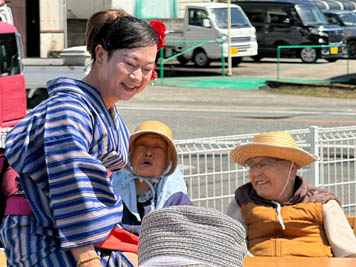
{"points": [[118, 31]]}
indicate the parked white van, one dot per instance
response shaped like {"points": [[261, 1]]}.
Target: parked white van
{"points": [[209, 21]]}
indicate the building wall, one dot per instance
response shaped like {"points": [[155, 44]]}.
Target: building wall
{"points": [[83, 9], [62, 22], [78, 12], [18, 9], [52, 26]]}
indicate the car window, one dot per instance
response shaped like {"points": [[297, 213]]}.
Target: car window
{"points": [[349, 19], [311, 15], [331, 19], [278, 16], [255, 15], [238, 18], [197, 16], [9, 57]]}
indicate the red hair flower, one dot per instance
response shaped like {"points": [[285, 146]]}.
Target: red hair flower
{"points": [[160, 29], [154, 73]]}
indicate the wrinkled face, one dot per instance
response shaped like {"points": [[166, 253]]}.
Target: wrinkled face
{"points": [[269, 176], [125, 73], [149, 157]]}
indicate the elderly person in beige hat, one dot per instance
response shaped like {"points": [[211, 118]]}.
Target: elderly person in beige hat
{"points": [[282, 213], [151, 180]]}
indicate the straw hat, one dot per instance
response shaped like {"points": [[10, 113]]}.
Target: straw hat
{"points": [[191, 236], [279, 145], [157, 127]]}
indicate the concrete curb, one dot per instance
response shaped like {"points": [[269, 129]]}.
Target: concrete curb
{"points": [[276, 83]]}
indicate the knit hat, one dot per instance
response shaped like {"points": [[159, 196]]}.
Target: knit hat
{"points": [[279, 145], [189, 235], [157, 127]]}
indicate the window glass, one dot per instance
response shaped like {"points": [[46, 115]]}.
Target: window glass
{"points": [[331, 19], [196, 17], [238, 18], [349, 19], [256, 15], [311, 15], [9, 57], [278, 16]]}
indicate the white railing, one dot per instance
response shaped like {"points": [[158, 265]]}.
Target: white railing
{"points": [[212, 176]]}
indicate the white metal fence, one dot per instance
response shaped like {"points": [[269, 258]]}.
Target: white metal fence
{"points": [[212, 177]]}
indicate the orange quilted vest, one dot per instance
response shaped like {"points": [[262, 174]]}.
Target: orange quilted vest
{"points": [[302, 215], [304, 234]]}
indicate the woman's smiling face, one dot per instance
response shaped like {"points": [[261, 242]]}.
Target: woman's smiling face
{"points": [[269, 176], [124, 74], [149, 157]]}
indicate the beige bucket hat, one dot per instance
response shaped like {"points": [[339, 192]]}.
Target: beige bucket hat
{"points": [[279, 145], [191, 236], [157, 127]]}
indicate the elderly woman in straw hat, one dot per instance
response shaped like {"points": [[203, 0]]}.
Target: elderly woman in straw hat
{"points": [[282, 213], [151, 179]]}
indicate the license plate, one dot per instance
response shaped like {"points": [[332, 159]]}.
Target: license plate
{"points": [[234, 50], [334, 50]]}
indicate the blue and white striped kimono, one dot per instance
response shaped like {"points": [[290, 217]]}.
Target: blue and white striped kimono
{"points": [[62, 151]]}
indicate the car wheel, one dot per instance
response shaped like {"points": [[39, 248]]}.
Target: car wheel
{"points": [[201, 59], [308, 55], [257, 58], [182, 60], [352, 49], [236, 61]]}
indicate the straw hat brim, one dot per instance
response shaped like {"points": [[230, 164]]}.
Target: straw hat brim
{"points": [[299, 156], [171, 146]]}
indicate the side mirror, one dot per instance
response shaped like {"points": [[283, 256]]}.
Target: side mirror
{"points": [[206, 23]]}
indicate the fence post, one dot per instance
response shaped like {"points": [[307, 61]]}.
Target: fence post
{"points": [[161, 70], [222, 57], [314, 149], [278, 58], [348, 59]]}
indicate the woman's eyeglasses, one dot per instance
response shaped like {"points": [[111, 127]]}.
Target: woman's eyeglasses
{"points": [[263, 164]]}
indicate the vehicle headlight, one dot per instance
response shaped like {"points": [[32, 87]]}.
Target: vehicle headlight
{"points": [[222, 36], [317, 32]]}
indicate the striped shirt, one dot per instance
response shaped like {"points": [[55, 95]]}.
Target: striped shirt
{"points": [[62, 150]]}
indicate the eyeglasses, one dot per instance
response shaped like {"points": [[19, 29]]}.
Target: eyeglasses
{"points": [[264, 164]]}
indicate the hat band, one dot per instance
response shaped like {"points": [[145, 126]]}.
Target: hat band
{"points": [[171, 261]]}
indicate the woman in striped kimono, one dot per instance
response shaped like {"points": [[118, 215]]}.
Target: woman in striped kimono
{"points": [[65, 149]]}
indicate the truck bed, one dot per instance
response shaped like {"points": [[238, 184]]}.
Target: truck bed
{"points": [[38, 71], [36, 76]]}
